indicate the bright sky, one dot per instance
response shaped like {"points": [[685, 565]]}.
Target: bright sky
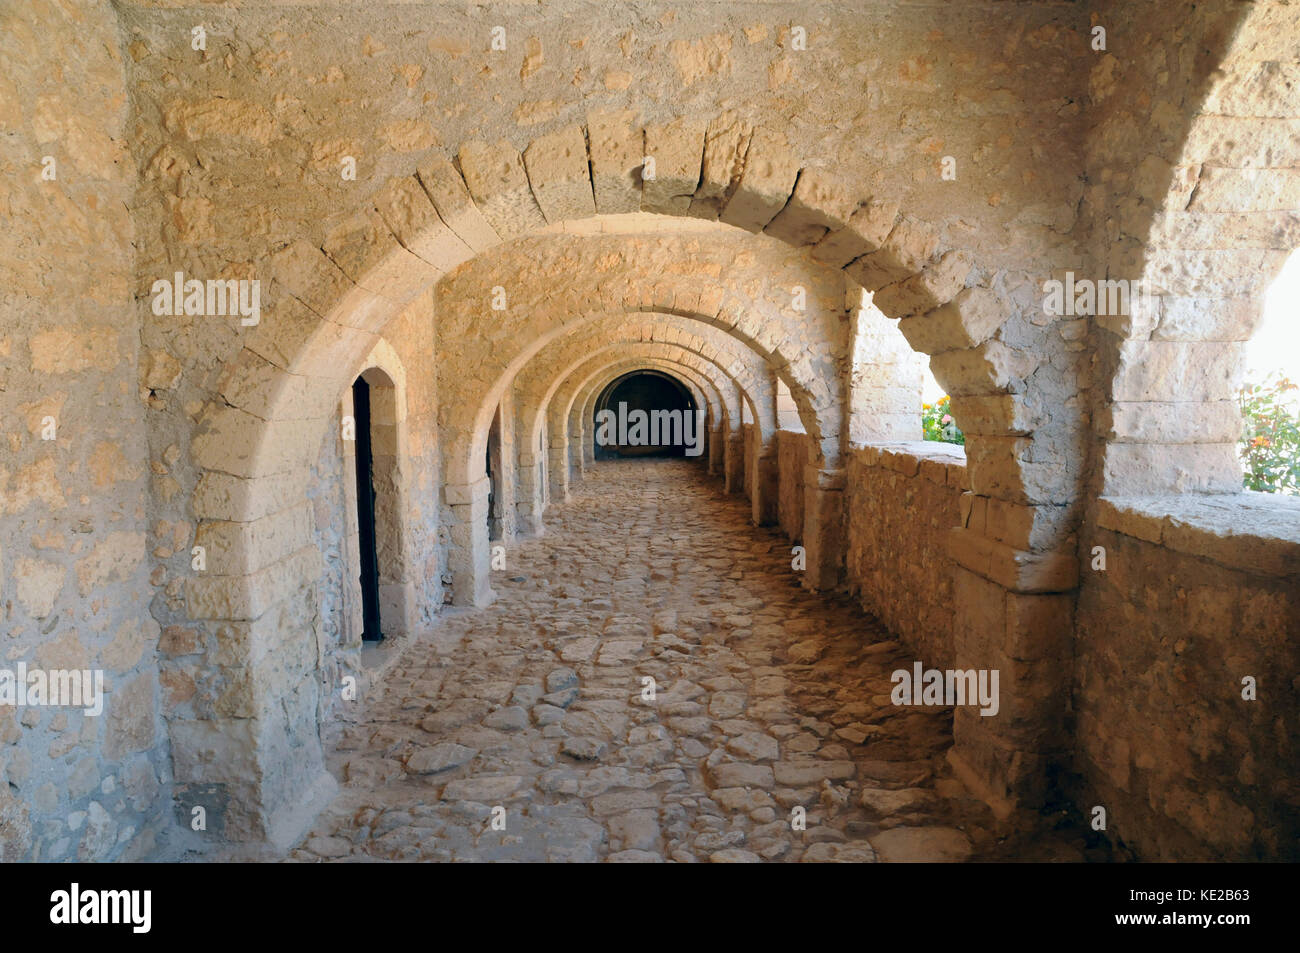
{"points": [[1275, 346]]}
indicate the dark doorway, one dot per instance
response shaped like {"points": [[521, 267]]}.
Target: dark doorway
{"points": [[650, 392], [493, 464], [366, 513]]}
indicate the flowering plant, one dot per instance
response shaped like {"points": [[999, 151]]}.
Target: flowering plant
{"points": [[937, 423], [1270, 437]]}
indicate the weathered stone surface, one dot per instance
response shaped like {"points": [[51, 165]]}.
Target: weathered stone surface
{"points": [[921, 845], [558, 172]]}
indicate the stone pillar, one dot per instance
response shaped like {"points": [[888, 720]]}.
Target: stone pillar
{"points": [[1014, 614], [823, 527], [246, 746], [717, 449], [577, 459], [734, 462], [529, 507], [766, 484], [469, 557], [558, 454]]}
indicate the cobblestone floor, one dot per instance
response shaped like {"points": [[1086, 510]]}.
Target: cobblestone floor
{"points": [[767, 699]]}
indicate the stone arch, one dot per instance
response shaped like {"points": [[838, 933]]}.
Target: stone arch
{"points": [[1214, 213], [386, 378], [581, 447], [728, 367], [748, 370], [326, 306], [576, 399]]}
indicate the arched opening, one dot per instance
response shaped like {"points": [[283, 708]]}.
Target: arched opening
{"points": [[1270, 394], [645, 413], [376, 530], [367, 550], [493, 464]]}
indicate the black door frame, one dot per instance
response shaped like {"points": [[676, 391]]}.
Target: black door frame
{"points": [[371, 631]]}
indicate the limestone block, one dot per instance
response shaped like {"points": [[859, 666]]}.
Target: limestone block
{"points": [[1247, 190], [312, 277], [495, 177], [366, 251], [247, 597], [615, 143], [1217, 421], [864, 233], [726, 140], [458, 494], [904, 253], [987, 369], [449, 195], [558, 172], [1147, 469], [1177, 370], [410, 215], [1207, 319], [302, 342], [1021, 525], [934, 286], [239, 443], [240, 548], [966, 321], [1013, 569], [677, 148], [1004, 414], [1211, 273], [821, 203], [765, 183], [222, 496]]}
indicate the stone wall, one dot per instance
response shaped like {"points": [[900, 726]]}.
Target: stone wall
{"points": [[902, 502], [792, 451], [75, 532], [1195, 596]]}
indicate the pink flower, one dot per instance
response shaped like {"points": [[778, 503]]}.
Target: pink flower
{"points": [[947, 419]]}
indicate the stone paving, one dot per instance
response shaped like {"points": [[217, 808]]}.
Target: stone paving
{"points": [[534, 715]]}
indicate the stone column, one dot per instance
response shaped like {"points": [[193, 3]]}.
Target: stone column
{"points": [[1014, 614], [469, 557], [766, 482], [734, 462], [528, 508], [577, 459], [558, 454], [717, 449], [823, 527]]}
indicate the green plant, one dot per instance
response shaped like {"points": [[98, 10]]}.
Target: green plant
{"points": [[937, 423], [1270, 439]]}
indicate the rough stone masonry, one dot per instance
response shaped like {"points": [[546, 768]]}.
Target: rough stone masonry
{"points": [[490, 214]]}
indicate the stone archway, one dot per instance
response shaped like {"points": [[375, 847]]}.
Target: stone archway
{"points": [[326, 305]]}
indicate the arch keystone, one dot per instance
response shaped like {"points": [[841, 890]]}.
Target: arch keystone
{"points": [[765, 183], [495, 177], [615, 142], [558, 172], [677, 148]]}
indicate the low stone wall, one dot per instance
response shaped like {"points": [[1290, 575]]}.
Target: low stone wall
{"points": [[901, 501], [1196, 595], [792, 457]]}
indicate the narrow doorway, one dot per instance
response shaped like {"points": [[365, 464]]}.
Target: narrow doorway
{"points": [[371, 631]]}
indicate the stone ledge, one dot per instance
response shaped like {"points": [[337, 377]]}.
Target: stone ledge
{"points": [[1254, 532], [942, 463]]}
